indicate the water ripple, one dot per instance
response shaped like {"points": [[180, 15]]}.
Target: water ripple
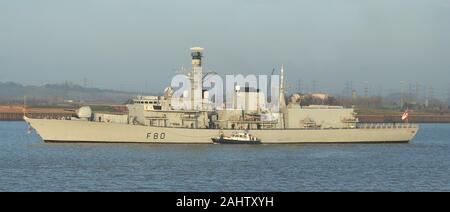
{"points": [[27, 164]]}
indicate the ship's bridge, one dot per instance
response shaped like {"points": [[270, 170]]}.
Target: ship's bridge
{"points": [[148, 102], [153, 100]]}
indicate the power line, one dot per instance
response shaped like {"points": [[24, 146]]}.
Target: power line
{"points": [[380, 91], [402, 100], [347, 89], [299, 86], [410, 91], [314, 86], [366, 89], [431, 92], [85, 82], [448, 94], [417, 91]]}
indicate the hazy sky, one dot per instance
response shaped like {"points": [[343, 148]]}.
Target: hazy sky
{"points": [[138, 44]]}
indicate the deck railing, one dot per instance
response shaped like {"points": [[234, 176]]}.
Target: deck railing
{"points": [[385, 126]]}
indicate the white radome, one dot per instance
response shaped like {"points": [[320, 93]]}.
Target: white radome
{"points": [[84, 112]]}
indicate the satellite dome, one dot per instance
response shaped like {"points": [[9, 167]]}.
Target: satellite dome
{"points": [[84, 112]]}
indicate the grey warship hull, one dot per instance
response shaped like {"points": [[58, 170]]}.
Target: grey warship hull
{"points": [[97, 132]]}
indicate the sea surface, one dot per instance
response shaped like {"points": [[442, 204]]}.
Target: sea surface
{"points": [[28, 164]]}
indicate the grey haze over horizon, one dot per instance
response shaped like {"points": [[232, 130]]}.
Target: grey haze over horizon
{"points": [[139, 45]]}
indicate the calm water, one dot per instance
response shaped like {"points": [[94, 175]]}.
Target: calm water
{"points": [[27, 164]]}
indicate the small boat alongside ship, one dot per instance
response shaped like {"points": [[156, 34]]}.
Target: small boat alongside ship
{"points": [[237, 138]]}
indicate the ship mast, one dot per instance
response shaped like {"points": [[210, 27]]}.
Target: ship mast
{"points": [[196, 78], [282, 89], [24, 109], [282, 101]]}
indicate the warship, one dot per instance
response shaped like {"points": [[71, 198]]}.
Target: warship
{"points": [[189, 116]]}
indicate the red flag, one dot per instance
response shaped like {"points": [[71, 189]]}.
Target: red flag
{"points": [[405, 114]]}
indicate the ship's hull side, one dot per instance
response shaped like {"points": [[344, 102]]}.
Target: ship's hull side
{"points": [[99, 132]]}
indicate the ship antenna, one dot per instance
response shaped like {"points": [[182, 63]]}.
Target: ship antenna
{"points": [[24, 109], [282, 88], [282, 100]]}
